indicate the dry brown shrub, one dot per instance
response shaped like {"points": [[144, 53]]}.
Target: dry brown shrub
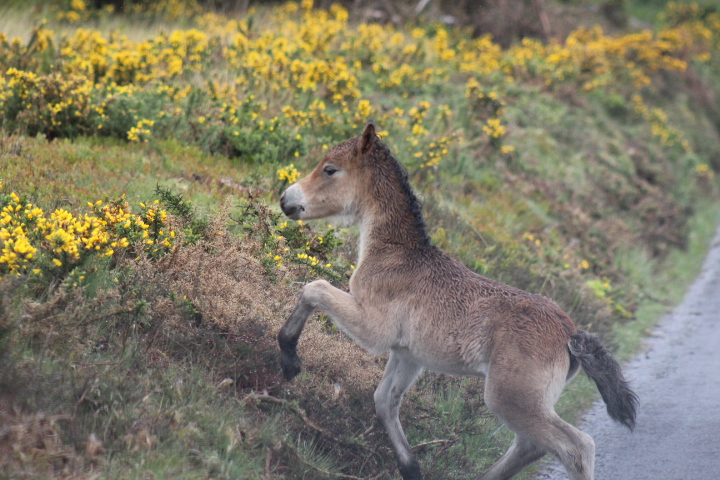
{"points": [[32, 446], [224, 279]]}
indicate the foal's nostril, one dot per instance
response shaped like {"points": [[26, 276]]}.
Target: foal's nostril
{"points": [[289, 211]]}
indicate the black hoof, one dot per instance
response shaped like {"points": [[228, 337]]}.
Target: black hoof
{"points": [[290, 363], [411, 471]]}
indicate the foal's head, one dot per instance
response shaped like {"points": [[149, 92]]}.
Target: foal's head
{"points": [[336, 185]]}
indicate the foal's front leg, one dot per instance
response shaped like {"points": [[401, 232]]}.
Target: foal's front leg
{"points": [[290, 335], [401, 372], [341, 307]]}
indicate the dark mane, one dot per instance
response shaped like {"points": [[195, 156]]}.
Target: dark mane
{"points": [[382, 154]]}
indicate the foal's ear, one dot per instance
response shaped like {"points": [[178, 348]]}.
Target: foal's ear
{"points": [[368, 137]]}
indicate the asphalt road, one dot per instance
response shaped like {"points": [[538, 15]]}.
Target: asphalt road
{"points": [[677, 377]]}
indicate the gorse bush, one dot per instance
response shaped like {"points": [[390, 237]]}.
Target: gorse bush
{"points": [[285, 244], [196, 227], [34, 243], [59, 105], [307, 78]]}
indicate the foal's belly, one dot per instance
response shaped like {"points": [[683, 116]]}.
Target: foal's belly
{"points": [[441, 348], [448, 361], [478, 370]]}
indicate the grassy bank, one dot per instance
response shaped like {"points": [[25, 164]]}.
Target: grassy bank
{"points": [[143, 287]]}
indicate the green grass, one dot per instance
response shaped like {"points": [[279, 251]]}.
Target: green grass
{"points": [[648, 10], [152, 421]]}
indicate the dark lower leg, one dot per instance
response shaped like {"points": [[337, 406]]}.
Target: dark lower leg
{"points": [[289, 336]]}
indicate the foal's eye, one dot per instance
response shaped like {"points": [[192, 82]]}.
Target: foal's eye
{"points": [[330, 170]]}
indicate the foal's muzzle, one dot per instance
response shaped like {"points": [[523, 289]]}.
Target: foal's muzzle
{"points": [[290, 205]]}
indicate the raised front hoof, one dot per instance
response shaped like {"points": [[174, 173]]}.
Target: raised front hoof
{"points": [[411, 471], [290, 363]]}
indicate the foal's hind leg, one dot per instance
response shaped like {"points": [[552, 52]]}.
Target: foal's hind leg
{"points": [[575, 449], [521, 453], [523, 397], [400, 374]]}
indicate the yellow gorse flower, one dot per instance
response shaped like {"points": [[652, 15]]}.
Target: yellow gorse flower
{"points": [[364, 109], [494, 128], [288, 174], [141, 132], [29, 238]]}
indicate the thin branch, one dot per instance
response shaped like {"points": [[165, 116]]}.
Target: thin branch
{"points": [[268, 463], [101, 317], [303, 415], [366, 432], [432, 442]]}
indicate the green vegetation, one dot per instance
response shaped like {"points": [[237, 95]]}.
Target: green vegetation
{"points": [[648, 10], [582, 170]]}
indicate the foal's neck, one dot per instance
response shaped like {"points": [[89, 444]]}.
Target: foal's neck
{"points": [[393, 218]]}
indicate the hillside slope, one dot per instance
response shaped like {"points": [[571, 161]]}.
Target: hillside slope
{"points": [[146, 269]]}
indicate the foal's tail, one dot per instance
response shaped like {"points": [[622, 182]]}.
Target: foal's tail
{"points": [[604, 370]]}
